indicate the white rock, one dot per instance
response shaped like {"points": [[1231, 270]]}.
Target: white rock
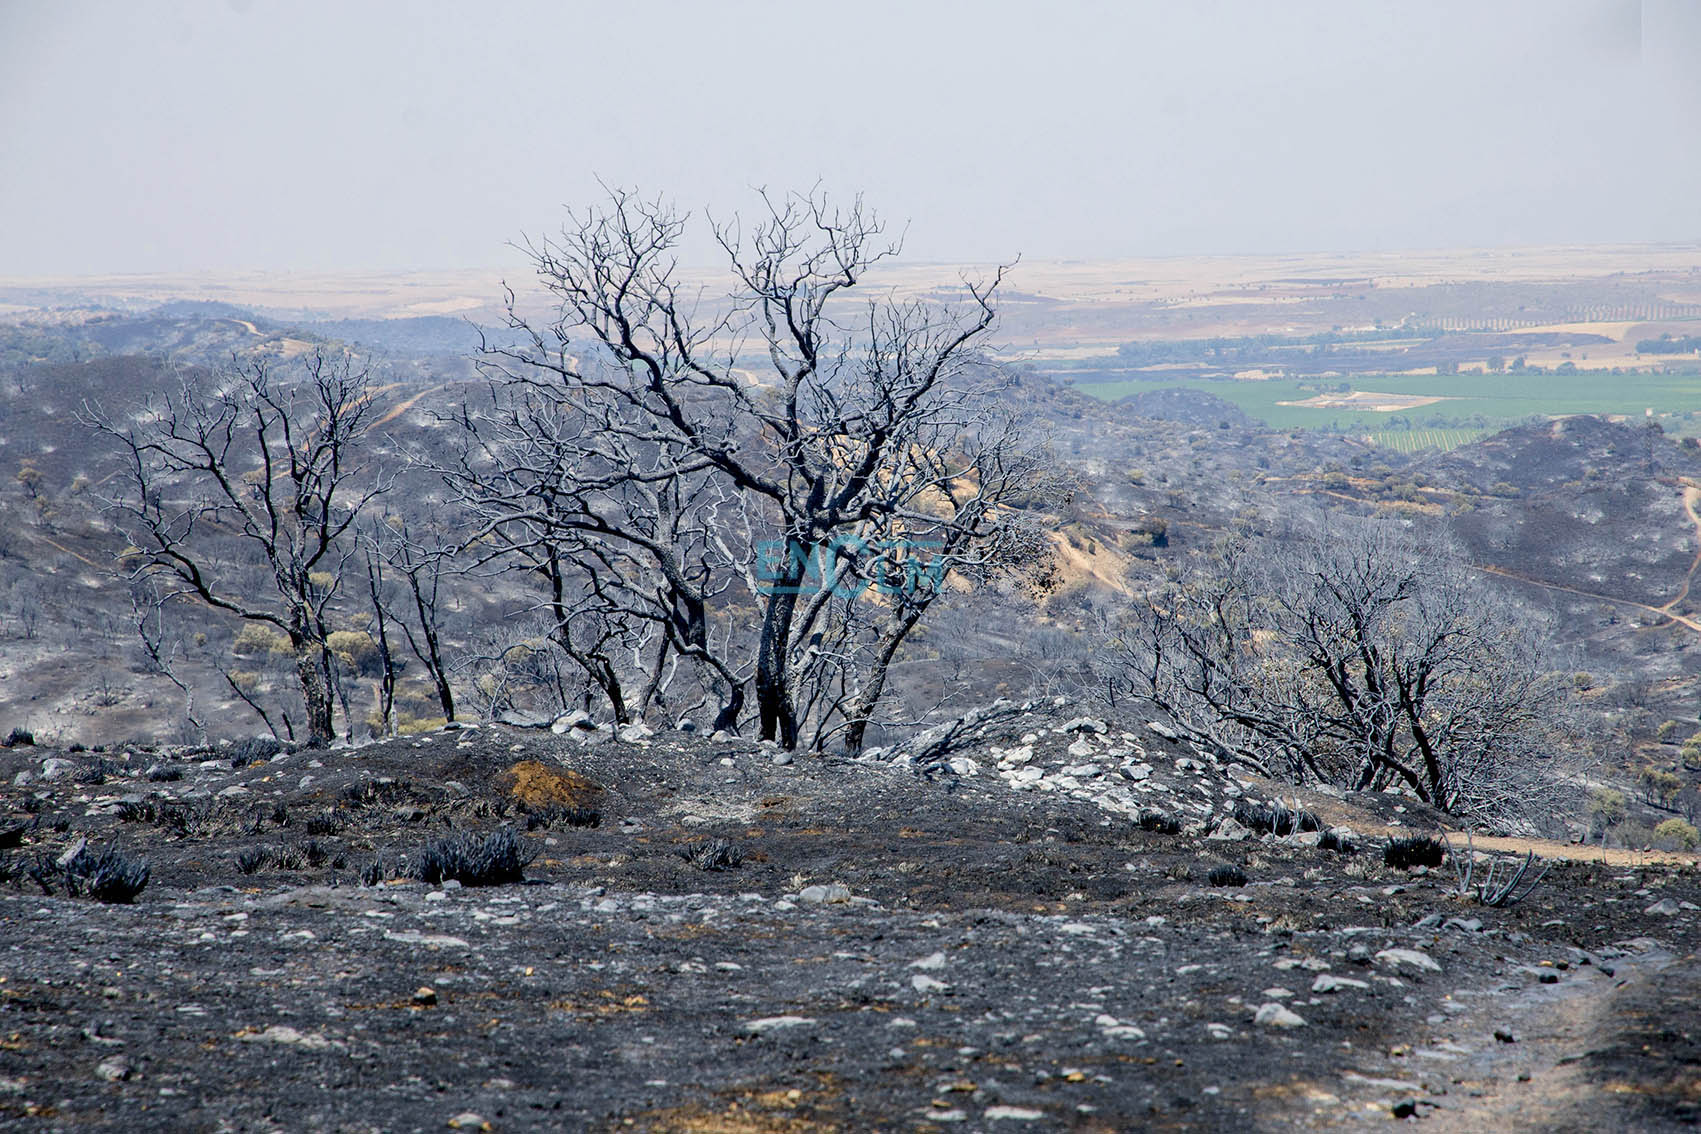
{"points": [[289, 1037], [832, 892], [1666, 907], [1117, 1029], [1010, 1114], [1394, 958], [114, 1070], [1085, 724], [1329, 982], [927, 984], [1273, 1015], [566, 722], [1162, 730], [776, 1023], [931, 961], [963, 766], [1137, 772], [430, 940], [1229, 831]]}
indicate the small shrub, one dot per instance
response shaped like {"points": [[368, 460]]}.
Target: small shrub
{"points": [[1607, 805], [1331, 841], [1363, 869], [95, 774], [255, 638], [110, 876], [1677, 834], [1407, 854], [19, 738], [325, 823], [252, 860], [1274, 818], [1178, 871], [1158, 823], [289, 858], [356, 650], [492, 860], [1667, 730], [564, 816], [716, 854], [1657, 782], [145, 811], [254, 749], [1226, 876], [380, 792]]}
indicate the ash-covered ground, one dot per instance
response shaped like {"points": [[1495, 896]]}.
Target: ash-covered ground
{"points": [[711, 936]]}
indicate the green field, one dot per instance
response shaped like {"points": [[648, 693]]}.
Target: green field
{"points": [[1417, 440], [1475, 401]]}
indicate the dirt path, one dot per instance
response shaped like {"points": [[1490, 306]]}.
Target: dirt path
{"points": [[1685, 620], [1334, 810], [403, 407]]}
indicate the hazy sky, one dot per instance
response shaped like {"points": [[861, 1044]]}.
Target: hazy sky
{"points": [[168, 135]]}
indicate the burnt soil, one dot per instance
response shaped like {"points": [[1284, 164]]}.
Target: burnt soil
{"points": [[893, 950]]}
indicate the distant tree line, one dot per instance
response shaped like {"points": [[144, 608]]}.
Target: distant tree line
{"points": [[1666, 344], [1248, 350]]}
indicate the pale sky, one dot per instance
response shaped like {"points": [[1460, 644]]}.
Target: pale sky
{"points": [[176, 136]]}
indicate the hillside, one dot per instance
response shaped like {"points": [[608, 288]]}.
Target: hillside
{"points": [[711, 937]]}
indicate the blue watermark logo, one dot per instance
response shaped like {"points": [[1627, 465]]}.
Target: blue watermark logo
{"points": [[893, 567]]}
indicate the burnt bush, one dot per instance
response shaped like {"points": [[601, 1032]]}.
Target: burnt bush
{"points": [[252, 860], [261, 748], [324, 823], [473, 860], [18, 738], [165, 773], [110, 876], [138, 811], [373, 873], [379, 792], [1158, 823], [1407, 854], [563, 817], [1275, 818], [95, 774], [1226, 876], [1333, 841], [716, 854]]}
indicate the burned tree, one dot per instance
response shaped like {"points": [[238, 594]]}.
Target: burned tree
{"points": [[698, 480], [243, 466], [1360, 656]]}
